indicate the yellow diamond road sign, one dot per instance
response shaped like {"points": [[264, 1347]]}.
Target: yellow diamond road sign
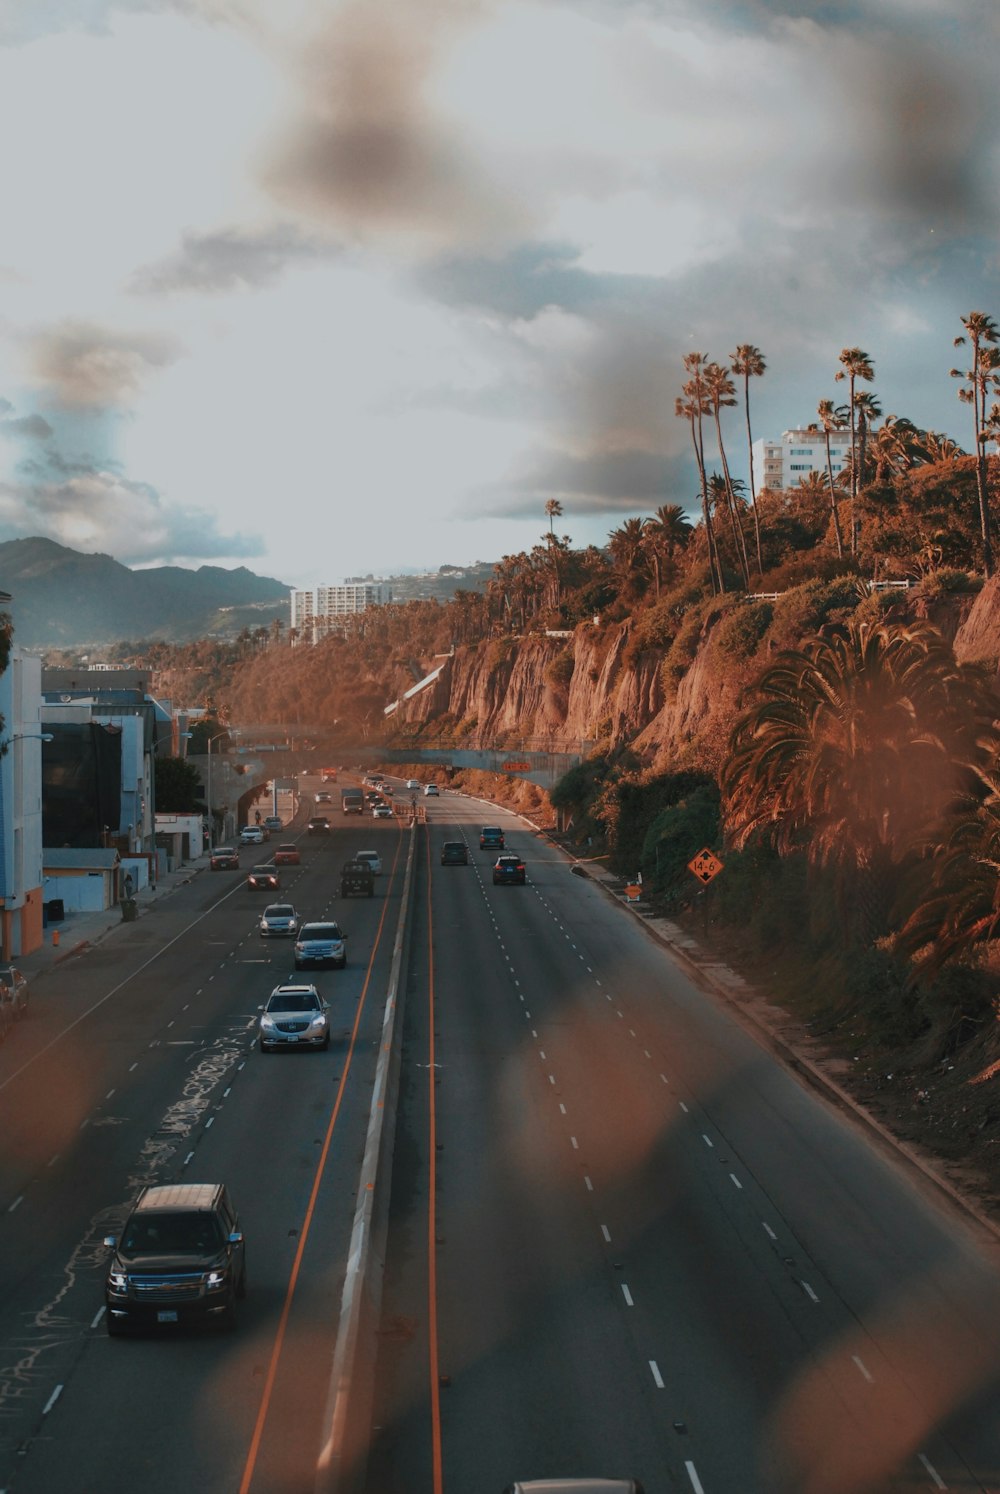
{"points": [[705, 866]]}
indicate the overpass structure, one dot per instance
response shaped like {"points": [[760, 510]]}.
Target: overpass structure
{"points": [[232, 779], [536, 764]]}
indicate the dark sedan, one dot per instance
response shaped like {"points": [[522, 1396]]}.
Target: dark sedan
{"points": [[263, 878], [454, 853]]}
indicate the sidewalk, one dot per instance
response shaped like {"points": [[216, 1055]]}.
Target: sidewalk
{"points": [[79, 930]]}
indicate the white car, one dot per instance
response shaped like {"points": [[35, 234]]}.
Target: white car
{"points": [[251, 835], [413, 783], [381, 811], [373, 858], [431, 791], [279, 920]]}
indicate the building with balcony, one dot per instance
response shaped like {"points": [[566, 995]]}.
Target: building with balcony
{"points": [[782, 464], [317, 611]]}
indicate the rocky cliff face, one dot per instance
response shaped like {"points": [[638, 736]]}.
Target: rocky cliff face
{"points": [[591, 688], [560, 690]]}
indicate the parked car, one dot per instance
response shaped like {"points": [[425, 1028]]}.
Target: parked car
{"points": [[252, 835], [508, 869], [14, 991], [373, 858], [357, 879], [264, 878], [491, 838], [287, 855], [180, 1258], [273, 822], [318, 825], [320, 944], [381, 811], [279, 920], [224, 858], [430, 791], [454, 853], [294, 1016]]}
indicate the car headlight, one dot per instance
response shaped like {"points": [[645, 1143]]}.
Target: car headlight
{"points": [[319, 1020], [117, 1281], [216, 1279], [266, 1021]]}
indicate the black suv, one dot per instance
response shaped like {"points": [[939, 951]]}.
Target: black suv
{"points": [[180, 1259], [508, 869], [491, 838], [454, 853]]}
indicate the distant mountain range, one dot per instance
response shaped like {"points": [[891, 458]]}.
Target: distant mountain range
{"points": [[64, 599]]}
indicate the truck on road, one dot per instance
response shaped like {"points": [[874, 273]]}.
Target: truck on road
{"points": [[352, 801], [357, 879]]}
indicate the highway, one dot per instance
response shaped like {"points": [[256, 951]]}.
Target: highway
{"points": [[141, 1068], [623, 1239]]}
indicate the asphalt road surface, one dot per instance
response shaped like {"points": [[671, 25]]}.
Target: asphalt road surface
{"points": [[623, 1239], [137, 1065], [626, 1242]]}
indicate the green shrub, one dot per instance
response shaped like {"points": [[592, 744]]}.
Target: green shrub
{"points": [[948, 580], [739, 633], [559, 671], [675, 834]]}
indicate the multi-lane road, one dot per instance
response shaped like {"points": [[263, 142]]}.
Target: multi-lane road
{"points": [[622, 1238]]}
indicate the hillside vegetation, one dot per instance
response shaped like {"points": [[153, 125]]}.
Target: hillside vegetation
{"points": [[803, 681]]}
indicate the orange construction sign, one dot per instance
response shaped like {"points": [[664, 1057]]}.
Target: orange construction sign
{"points": [[705, 866]]}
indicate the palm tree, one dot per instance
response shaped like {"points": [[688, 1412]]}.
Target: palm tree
{"points": [[856, 365], [625, 545], [961, 906], [693, 408], [851, 742], [935, 446], [748, 363], [982, 379], [832, 417], [553, 510], [667, 531], [721, 392], [868, 409]]}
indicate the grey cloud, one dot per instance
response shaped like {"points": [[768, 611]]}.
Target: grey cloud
{"points": [[367, 153], [90, 366], [231, 259], [33, 426], [102, 510], [610, 481]]}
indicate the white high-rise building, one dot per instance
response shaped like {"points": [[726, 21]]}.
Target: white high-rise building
{"points": [[782, 464], [316, 611]]}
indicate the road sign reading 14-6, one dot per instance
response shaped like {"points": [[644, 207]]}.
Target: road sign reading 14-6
{"points": [[705, 866]]}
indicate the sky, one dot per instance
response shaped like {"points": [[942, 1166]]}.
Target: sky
{"points": [[329, 288]]}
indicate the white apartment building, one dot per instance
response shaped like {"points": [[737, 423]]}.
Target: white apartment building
{"points": [[782, 464], [315, 611]]}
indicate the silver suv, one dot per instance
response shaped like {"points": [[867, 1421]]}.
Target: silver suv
{"points": [[294, 1017], [320, 944]]}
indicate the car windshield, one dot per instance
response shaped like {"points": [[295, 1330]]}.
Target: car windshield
{"points": [[166, 1234], [294, 1001], [285, 849], [279, 910], [321, 931]]}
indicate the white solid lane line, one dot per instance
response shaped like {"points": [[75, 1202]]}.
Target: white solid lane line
{"points": [[657, 1377], [863, 1370], [692, 1474], [939, 1482]]}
